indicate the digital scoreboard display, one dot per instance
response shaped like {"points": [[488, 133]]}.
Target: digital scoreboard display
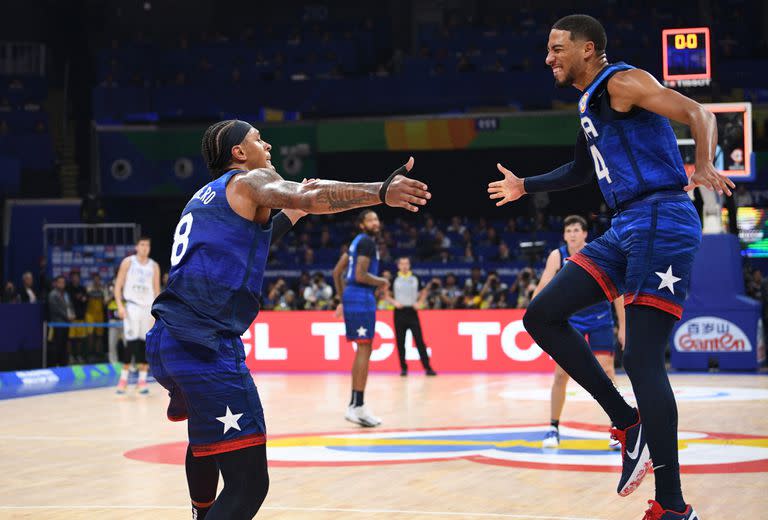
{"points": [[687, 57]]}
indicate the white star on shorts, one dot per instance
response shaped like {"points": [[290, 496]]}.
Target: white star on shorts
{"points": [[668, 280], [362, 331], [230, 420]]}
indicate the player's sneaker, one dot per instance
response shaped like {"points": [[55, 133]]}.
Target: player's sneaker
{"points": [[551, 439], [656, 512], [142, 388], [362, 416], [635, 456], [613, 444], [121, 386]]}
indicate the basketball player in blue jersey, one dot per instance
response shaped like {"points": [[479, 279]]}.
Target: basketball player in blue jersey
{"points": [[217, 265], [627, 141], [595, 323], [356, 276]]}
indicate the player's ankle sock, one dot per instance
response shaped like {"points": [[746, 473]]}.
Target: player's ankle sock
{"points": [[668, 492], [357, 398], [123, 377], [142, 377], [554, 424], [199, 512]]}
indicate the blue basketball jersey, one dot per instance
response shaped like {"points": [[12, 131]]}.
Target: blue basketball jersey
{"points": [[597, 316], [635, 153], [217, 269], [362, 245]]}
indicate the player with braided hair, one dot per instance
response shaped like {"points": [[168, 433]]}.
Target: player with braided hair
{"points": [[217, 266]]}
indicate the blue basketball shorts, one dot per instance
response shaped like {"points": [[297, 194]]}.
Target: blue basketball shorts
{"points": [[359, 314], [647, 254], [213, 389], [601, 341]]}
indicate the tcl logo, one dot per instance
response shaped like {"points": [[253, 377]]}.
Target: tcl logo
{"points": [[492, 340], [515, 341], [711, 334]]}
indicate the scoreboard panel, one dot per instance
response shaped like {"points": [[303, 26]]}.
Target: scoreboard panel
{"points": [[686, 55]]}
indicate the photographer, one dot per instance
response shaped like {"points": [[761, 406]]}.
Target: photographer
{"points": [[407, 298]]}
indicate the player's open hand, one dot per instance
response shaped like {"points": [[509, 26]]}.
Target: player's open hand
{"points": [[407, 193], [508, 189], [708, 177]]}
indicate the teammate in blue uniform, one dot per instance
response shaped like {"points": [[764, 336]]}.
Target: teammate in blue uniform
{"points": [[595, 323], [357, 277], [647, 254], [218, 258]]}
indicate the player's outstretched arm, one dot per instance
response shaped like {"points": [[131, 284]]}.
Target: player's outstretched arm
{"points": [[576, 173], [638, 88], [266, 188]]}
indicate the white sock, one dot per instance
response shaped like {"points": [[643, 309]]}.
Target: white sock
{"points": [[124, 377], [142, 377]]}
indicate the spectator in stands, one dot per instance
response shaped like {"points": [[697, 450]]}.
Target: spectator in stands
{"points": [[27, 293], [442, 241], [318, 295], [164, 281], [469, 254], [450, 294], [471, 298], [475, 280], [10, 295], [309, 256], [491, 237], [511, 226], [444, 257], [491, 291], [277, 291], [287, 302], [456, 226], [429, 229], [524, 287], [59, 310], [466, 237], [410, 239], [325, 238], [95, 312], [430, 297], [503, 254], [385, 300], [79, 298]]}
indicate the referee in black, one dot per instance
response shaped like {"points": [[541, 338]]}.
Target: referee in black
{"points": [[406, 294]]}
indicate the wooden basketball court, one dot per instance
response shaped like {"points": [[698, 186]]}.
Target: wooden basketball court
{"points": [[454, 446]]}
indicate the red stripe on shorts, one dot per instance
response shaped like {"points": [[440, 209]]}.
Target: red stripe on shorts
{"points": [[606, 284], [202, 450], [652, 300]]}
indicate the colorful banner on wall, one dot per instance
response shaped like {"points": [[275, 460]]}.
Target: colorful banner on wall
{"points": [[460, 341]]}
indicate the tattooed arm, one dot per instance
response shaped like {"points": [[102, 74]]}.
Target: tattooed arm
{"points": [[267, 189]]}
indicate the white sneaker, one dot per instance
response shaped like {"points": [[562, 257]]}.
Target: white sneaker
{"points": [[362, 416], [551, 439]]}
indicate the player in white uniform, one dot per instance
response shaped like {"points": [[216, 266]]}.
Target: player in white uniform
{"points": [[136, 287]]}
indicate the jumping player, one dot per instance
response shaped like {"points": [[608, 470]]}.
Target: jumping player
{"points": [[647, 255], [356, 276], [217, 265], [138, 283], [595, 323]]}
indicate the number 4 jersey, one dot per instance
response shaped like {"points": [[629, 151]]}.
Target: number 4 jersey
{"points": [[217, 269], [635, 153]]}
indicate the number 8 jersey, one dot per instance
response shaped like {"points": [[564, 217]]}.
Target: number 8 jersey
{"points": [[217, 268], [635, 153]]}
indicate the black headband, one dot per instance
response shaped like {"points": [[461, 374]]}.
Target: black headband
{"points": [[230, 137]]}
